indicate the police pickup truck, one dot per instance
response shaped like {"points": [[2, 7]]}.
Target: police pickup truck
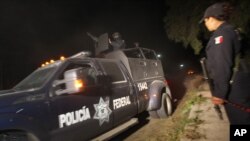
{"points": [[83, 98]]}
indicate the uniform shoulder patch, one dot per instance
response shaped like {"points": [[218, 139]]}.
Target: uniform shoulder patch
{"points": [[218, 40]]}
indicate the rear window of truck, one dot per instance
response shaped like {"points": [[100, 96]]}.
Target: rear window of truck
{"points": [[113, 70]]}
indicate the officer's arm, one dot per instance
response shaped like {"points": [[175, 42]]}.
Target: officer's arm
{"points": [[223, 64]]}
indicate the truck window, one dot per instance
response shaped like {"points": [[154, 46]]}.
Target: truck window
{"points": [[88, 73], [36, 79], [149, 54], [133, 53], [113, 70]]}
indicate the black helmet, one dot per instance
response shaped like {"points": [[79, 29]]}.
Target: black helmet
{"points": [[116, 35]]}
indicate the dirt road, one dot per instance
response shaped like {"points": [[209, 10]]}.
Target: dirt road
{"points": [[148, 129]]}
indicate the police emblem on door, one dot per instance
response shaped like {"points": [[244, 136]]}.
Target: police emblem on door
{"points": [[102, 111]]}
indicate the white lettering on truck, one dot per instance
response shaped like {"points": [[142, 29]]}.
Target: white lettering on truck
{"points": [[74, 117], [142, 86], [121, 102]]}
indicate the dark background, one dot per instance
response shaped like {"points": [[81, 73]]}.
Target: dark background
{"points": [[32, 32]]}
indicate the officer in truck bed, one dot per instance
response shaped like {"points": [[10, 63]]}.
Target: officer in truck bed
{"points": [[117, 42]]}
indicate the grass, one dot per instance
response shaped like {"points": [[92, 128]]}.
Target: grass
{"points": [[181, 119]]}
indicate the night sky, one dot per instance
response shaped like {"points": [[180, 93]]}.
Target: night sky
{"points": [[33, 31]]}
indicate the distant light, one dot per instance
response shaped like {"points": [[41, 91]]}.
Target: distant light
{"points": [[52, 61], [46, 63], [158, 55], [181, 65], [190, 72], [43, 65]]}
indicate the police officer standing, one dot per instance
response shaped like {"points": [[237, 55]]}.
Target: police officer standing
{"points": [[221, 51]]}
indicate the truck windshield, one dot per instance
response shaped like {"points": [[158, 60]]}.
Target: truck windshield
{"points": [[36, 79]]}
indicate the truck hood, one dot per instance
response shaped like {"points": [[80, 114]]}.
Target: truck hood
{"points": [[6, 91], [12, 97], [13, 91]]}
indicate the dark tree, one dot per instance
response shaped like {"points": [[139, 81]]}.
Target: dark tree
{"points": [[182, 20]]}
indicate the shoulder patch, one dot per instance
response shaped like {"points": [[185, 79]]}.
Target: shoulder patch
{"points": [[218, 40]]}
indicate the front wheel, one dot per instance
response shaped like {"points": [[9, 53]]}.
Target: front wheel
{"points": [[166, 106], [165, 109]]}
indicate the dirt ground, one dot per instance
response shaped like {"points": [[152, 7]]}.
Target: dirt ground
{"points": [[159, 130]]}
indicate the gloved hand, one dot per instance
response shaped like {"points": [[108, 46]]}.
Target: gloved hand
{"points": [[217, 101]]}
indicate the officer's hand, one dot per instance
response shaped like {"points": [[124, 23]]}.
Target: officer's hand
{"points": [[217, 101]]}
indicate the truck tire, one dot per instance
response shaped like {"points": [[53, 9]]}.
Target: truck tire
{"points": [[166, 106]]}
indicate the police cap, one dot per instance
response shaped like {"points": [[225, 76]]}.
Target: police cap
{"points": [[216, 10]]}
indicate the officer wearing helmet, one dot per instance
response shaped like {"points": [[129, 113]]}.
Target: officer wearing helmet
{"points": [[117, 42]]}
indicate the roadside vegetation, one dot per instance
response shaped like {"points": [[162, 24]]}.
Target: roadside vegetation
{"points": [[180, 118]]}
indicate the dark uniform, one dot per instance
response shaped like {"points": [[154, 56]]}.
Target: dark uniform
{"points": [[221, 51]]}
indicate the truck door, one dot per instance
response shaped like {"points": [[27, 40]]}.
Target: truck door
{"points": [[123, 93], [79, 115]]}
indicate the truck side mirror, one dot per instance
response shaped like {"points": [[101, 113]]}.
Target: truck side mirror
{"points": [[72, 83]]}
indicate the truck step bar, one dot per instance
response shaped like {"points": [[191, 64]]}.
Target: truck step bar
{"points": [[117, 130]]}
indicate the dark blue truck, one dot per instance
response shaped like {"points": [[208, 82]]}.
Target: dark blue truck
{"points": [[83, 98]]}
